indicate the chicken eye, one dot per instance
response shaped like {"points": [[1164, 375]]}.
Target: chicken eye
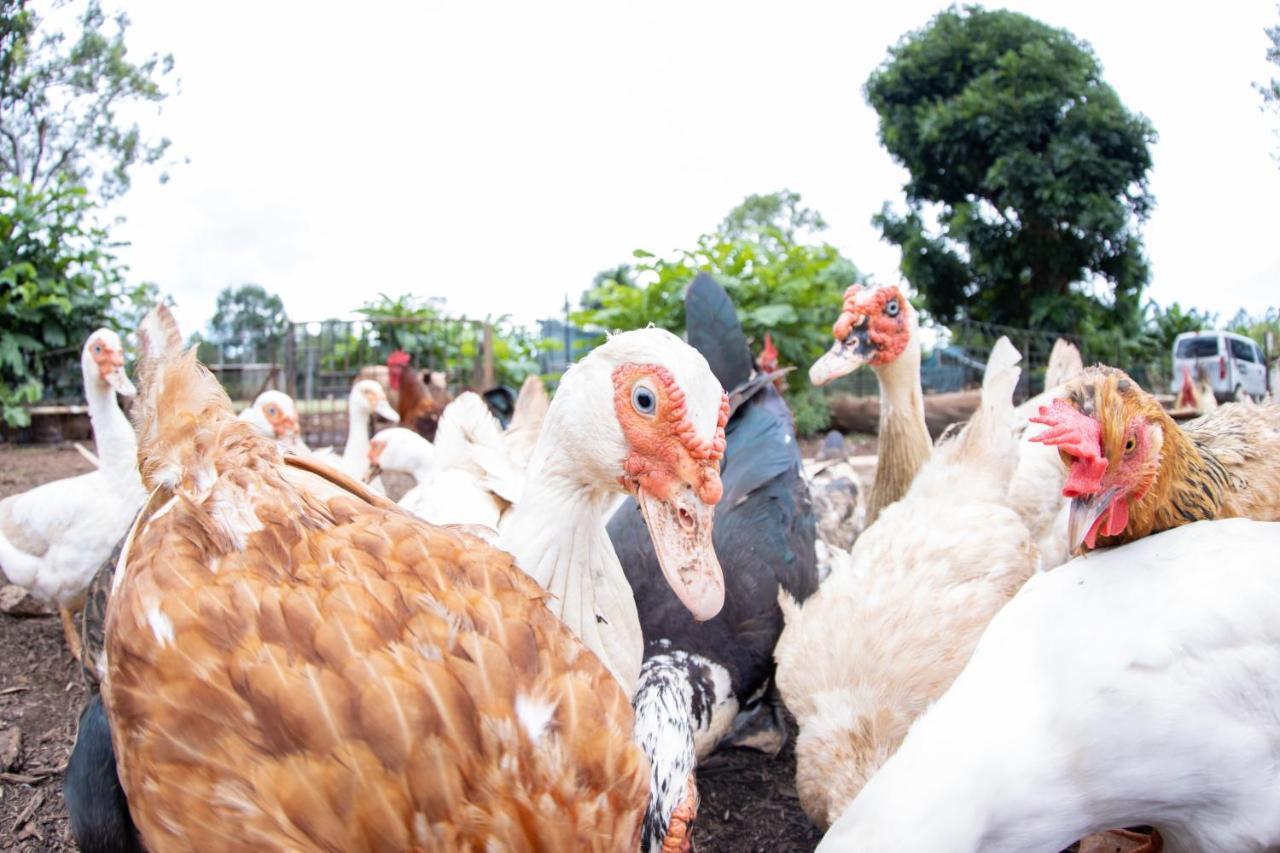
{"points": [[892, 308], [1130, 445], [271, 411], [643, 400], [97, 347]]}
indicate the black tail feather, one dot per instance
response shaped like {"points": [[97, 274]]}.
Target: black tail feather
{"points": [[714, 331]]}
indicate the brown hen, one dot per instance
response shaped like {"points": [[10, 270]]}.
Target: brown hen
{"points": [[1134, 471], [294, 663], [420, 404]]}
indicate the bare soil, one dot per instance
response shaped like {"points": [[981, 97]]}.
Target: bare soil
{"points": [[749, 801]]}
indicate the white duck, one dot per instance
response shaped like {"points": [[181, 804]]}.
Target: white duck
{"points": [[471, 475], [1076, 714], [367, 398], [404, 451], [54, 537], [274, 415], [895, 622], [668, 435]]}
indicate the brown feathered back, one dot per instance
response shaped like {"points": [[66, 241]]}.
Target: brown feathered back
{"points": [[295, 664]]}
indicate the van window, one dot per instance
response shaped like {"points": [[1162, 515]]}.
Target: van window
{"points": [[1242, 350], [1198, 347]]}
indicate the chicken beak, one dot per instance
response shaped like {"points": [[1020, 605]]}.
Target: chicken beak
{"points": [[1085, 512], [842, 359], [680, 527], [384, 410]]}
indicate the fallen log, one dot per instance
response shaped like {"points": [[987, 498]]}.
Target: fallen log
{"points": [[862, 414]]}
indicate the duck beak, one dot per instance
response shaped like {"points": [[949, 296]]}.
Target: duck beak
{"points": [[1085, 516], [384, 410], [680, 527], [117, 379], [843, 358]]}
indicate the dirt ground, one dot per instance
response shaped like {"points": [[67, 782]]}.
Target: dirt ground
{"points": [[41, 689], [748, 799]]}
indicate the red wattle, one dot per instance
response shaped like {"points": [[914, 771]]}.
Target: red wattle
{"points": [[1118, 517]]}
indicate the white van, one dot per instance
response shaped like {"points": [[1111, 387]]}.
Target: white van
{"points": [[1232, 363]]}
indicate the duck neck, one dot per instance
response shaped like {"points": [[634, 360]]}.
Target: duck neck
{"points": [[557, 534], [904, 436], [355, 455], [116, 441]]}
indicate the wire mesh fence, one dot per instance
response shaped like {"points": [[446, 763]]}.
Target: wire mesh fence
{"points": [[317, 363]]}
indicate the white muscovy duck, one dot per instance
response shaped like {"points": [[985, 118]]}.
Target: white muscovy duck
{"points": [[54, 537], [367, 398], [274, 415], [1077, 714], [698, 675], [404, 451], [469, 476]]}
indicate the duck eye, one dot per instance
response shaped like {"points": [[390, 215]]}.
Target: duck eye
{"points": [[643, 400], [892, 308]]}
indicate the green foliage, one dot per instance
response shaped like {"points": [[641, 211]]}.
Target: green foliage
{"points": [[62, 97], [1035, 170], [1244, 323], [780, 285], [809, 410], [248, 322], [59, 280], [421, 328]]}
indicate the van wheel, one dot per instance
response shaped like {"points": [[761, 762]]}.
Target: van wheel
{"points": [[1240, 395]]}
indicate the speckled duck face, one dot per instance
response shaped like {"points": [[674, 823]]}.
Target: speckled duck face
{"points": [[874, 327]]}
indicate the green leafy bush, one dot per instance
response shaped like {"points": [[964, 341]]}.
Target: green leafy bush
{"points": [[782, 282], [59, 280]]}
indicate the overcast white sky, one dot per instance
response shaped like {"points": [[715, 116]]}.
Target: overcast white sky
{"points": [[499, 154]]}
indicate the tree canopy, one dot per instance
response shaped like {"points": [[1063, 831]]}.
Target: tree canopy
{"points": [[59, 281], [61, 100], [1271, 89], [781, 279], [246, 316], [1034, 170]]}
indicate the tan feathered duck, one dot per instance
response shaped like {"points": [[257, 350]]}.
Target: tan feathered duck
{"points": [[296, 663]]}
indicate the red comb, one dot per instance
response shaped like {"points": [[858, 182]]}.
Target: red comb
{"points": [[1080, 437], [399, 358]]}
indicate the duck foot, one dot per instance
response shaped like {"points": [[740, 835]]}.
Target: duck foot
{"points": [[1122, 841], [679, 837], [73, 636]]}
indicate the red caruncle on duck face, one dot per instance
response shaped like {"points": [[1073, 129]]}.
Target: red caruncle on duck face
{"points": [[665, 448], [674, 475], [874, 327]]}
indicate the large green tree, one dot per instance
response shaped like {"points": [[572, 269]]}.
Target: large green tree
{"points": [[63, 97], [248, 319], [781, 277], [1028, 176]]}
